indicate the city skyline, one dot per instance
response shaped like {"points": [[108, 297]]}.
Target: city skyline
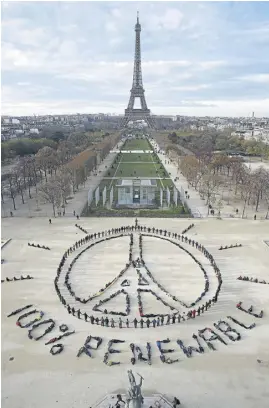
{"points": [[197, 59]]}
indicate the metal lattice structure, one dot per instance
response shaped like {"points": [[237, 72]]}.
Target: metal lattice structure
{"points": [[137, 91]]}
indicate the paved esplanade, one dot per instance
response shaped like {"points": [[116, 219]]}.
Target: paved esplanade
{"points": [[227, 377]]}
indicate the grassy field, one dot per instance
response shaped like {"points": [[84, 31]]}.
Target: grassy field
{"points": [[136, 144], [135, 157], [145, 165], [150, 170]]}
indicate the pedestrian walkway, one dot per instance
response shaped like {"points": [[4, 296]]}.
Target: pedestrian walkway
{"points": [[196, 205]]}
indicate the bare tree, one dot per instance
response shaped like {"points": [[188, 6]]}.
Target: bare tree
{"points": [[64, 152], [260, 176], [51, 194], [2, 193], [12, 190], [19, 182], [63, 182], [246, 189], [192, 169], [210, 184], [46, 160]]}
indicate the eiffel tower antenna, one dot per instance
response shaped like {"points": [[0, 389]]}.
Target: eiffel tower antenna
{"points": [[137, 90]]}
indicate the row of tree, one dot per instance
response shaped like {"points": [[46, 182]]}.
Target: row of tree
{"points": [[53, 173], [211, 175], [32, 170]]}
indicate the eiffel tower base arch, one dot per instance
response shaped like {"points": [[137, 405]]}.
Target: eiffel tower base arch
{"points": [[138, 114]]}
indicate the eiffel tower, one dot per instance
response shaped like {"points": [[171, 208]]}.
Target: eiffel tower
{"points": [[137, 90]]}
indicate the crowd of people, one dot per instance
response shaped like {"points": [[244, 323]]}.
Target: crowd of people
{"points": [[15, 279], [190, 349], [158, 319], [230, 246], [39, 313], [254, 280], [39, 246], [227, 330]]}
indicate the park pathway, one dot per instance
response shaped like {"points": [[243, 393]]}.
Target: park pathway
{"points": [[195, 203]]}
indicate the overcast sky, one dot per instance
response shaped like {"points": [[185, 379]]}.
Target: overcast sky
{"points": [[198, 58]]}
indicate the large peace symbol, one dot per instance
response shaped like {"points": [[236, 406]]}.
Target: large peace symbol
{"points": [[134, 294]]}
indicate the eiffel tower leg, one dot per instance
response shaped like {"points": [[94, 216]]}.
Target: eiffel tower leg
{"points": [[143, 102], [131, 102]]}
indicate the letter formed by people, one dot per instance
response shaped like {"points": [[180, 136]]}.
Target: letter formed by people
{"points": [[134, 397]]}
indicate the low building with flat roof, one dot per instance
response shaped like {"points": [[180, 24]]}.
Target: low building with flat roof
{"points": [[136, 192]]}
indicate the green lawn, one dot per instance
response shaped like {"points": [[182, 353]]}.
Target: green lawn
{"points": [[137, 157], [136, 144], [149, 170], [136, 165]]}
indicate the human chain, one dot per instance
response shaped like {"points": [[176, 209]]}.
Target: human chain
{"points": [[81, 229], [207, 334], [15, 279], [187, 229], [158, 319], [253, 280], [161, 320], [190, 242], [230, 246], [39, 246]]}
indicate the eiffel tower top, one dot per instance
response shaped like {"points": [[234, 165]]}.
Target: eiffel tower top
{"points": [[138, 25]]}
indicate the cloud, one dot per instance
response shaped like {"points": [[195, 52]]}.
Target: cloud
{"points": [[171, 19], [212, 64], [111, 27], [79, 56], [23, 83], [260, 78], [191, 88]]}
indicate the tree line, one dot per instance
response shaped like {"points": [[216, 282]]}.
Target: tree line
{"points": [[212, 174], [222, 141], [79, 140], [53, 174]]}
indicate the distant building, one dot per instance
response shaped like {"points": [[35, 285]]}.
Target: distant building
{"points": [[34, 131], [137, 192]]}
